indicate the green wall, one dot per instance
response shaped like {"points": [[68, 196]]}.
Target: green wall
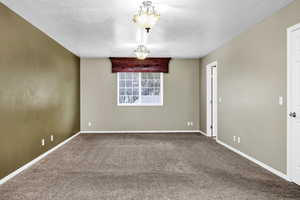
{"points": [[99, 99], [252, 71], [39, 92]]}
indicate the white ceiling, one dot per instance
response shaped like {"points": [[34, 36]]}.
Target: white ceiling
{"points": [[103, 28]]}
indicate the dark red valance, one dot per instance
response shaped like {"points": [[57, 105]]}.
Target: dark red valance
{"points": [[136, 65]]}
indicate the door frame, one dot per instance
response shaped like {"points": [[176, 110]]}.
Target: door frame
{"points": [[215, 100], [289, 100]]}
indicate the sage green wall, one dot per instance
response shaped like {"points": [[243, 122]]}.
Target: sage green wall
{"points": [[39, 92], [202, 107], [99, 99], [252, 74]]}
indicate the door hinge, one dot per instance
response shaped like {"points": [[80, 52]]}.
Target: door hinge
{"points": [[211, 127]]}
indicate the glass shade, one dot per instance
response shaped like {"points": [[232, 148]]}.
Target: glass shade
{"points": [[141, 52], [147, 15]]}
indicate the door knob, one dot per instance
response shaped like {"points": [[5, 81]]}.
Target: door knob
{"points": [[293, 114]]}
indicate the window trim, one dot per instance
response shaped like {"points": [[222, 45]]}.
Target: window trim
{"points": [[142, 105]]}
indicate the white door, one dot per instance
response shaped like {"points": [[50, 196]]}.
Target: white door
{"points": [[294, 104], [211, 78]]}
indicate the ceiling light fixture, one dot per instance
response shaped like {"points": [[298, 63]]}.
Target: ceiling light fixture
{"points": [[147, 16], [141, 52]]}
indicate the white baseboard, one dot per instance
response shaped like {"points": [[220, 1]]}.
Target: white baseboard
{"points": [[28, 165], [162, 131], [203, 133], [274, 171]]}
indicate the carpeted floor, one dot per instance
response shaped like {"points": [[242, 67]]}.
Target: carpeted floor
{"points": [[146, 167]]}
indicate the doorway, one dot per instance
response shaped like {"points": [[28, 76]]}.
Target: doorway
{"points": [[212, 99], [293, 104]]}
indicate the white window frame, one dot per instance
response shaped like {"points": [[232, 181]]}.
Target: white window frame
{"points": [[141, 104]]}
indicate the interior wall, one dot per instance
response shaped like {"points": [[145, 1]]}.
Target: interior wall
{"points": [[252, 71], [203, 95], [99, 99], [39, 92]]}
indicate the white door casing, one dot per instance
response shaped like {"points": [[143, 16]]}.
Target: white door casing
{"points": [[293, 104], [212, 99]]}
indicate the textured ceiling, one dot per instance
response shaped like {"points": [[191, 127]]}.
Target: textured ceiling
{"points": [[103, 28]]}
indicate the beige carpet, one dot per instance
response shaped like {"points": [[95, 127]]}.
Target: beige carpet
{"points": [[146, 167]]}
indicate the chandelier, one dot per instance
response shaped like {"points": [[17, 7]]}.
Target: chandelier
{"points": [[147, 16], [141, 52]]}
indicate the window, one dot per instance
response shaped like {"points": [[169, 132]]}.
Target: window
{"points": [[140, 89]]}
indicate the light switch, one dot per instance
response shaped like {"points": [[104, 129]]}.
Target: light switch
{"points": [[220, 100], [90, 123]]}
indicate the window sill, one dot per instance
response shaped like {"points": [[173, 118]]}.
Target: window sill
{"points": [[140, 105]]}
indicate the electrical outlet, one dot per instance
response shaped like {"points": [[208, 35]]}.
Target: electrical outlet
{"points": [[234, 138], [239, 140], [90, 123], [52, 138], [280, 101], [43, 142]]}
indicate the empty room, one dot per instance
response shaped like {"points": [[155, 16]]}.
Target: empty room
{"points": [[150, 100]]}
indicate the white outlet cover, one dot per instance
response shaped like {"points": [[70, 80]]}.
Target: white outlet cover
{"points": [[52, 138], [234, 138], [280, 100], [43, 142], [90, 123], [239, 140]]}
